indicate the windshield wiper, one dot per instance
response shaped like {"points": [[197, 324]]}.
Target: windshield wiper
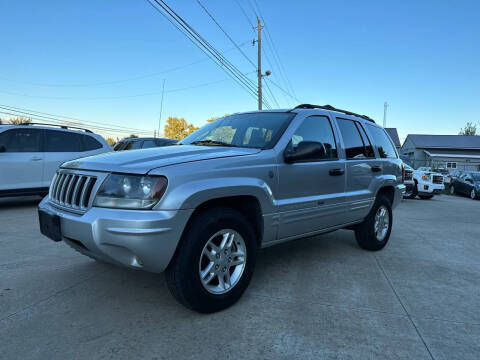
{"points": [[211, 142]]}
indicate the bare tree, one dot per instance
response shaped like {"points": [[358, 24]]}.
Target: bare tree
{"points": [[469, 129]]}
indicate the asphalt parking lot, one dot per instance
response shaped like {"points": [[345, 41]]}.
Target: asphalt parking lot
{"points": [[313, 298]]}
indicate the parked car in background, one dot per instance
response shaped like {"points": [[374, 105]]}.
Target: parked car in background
{"points": [[467, 184], [30, 154], [426, 183], [455, 174], [408, 181], [200, 211], [142, 143]]}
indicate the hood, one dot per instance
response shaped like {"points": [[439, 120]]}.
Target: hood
{"points": [[144, 160]]}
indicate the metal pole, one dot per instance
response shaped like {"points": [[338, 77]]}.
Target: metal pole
{"points": [[259, 60], [385, 105], [161, 108]]}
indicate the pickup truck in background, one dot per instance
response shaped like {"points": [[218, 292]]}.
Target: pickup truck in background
{"points": [[426, 183]]}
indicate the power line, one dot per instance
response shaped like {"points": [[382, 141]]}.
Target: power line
{"points": [[226, 34], [116, 97], [284, 91], [245, 14], [175, 68], [271, 93], [188, 31], [28, 112], [282, 69]]}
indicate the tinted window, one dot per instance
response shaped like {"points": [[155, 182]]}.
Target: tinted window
{"points": [[132, 145], [148, 144], [119, 146], [354, 145], [382, 142], [62, 141], [89, 143], [316, 128], [21, 140], [366, 141]]}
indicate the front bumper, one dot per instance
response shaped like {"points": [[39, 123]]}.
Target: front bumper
{"points": [[430, 188], [140, 239]]}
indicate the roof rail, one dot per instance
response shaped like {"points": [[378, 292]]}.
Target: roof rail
{"points": [[331, 108], [57, 125]]}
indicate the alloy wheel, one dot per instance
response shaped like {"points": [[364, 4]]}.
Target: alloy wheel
{"points": [[222, 261], [382, 223], [473, 194]]}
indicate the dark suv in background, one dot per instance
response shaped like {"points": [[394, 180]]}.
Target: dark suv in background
{"points": [[142, 143]]}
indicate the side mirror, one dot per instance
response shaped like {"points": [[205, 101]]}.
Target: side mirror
{"points": [[305, 151], [2, 148], [469, 180]]}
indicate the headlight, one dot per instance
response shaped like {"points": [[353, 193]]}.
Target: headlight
{"points": [[130, 191], [427, 177]]}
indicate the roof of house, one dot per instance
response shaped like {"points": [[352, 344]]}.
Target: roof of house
{"points": [[392, 132], [445, 141]]}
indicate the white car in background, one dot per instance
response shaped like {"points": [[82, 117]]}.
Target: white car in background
{"points": [[30, 154]]}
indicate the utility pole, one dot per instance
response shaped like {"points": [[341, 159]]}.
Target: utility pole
{"points": [[385, 106], [259, 60], [161, 108]]}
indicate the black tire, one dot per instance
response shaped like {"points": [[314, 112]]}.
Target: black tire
{"points": [[473, 194], [414, 193], [426, 197], [365, 232], [182, 274]]}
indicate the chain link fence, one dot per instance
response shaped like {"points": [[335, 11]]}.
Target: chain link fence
{"points": [[445, 165]]}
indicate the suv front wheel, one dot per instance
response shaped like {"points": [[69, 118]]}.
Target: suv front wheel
{"points": [[373, 233], [214, 262]]}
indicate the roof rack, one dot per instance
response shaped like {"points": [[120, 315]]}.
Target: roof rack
{"points": [[60, 126], [331, 108]]}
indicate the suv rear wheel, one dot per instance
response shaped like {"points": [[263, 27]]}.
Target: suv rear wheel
{"points": [[373, 233], [214, 262]]}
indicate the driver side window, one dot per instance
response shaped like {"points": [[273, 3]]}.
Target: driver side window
{"points": [[316, 129]]}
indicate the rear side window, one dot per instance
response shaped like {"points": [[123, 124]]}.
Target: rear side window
{"points": [[21, 140], [356, 146], [148, 144], [316, 128], [119, 146], [132, 145], [382, 142], [62, 141], [89, 143]]}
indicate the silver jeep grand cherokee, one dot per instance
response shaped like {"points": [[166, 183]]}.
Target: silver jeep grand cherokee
{"points": [[200, 210]]}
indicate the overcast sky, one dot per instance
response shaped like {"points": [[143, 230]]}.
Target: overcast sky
{"points": [[105, 60]]}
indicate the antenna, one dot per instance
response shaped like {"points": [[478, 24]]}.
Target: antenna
{"points": [[385, 106]]}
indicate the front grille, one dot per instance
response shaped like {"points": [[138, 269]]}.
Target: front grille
{"points": [[437, 179], [72, 191], [408, 175]]}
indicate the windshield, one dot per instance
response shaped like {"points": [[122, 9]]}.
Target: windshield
{"points": [[252, 130]]}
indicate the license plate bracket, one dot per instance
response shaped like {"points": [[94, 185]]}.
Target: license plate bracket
{"points": [[50, 225]]}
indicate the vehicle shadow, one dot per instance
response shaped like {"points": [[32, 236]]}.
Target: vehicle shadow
{"points": [[23, 201]]}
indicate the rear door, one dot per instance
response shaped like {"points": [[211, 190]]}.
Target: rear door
{"points": [[60, 146], [311, 194], [361, 168], [22, 162]]}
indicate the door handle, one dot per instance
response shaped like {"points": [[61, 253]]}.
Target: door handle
{"points": [[36, 158], [376, 168], [336, 172]]}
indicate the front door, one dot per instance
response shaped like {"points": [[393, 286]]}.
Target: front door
{"points": [[311, 193], [21, 161]]}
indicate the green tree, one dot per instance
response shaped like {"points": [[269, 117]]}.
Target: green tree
{"points": [[469, 129], [178, 128]]}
